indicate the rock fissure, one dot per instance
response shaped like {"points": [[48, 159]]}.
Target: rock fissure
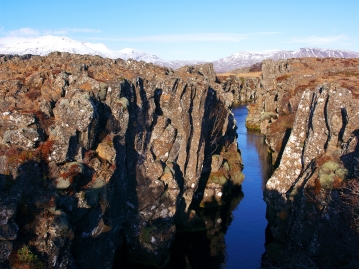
{"points": [[308, 208], [110, 158]]}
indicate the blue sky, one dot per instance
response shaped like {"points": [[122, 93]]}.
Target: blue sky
{"points": [[187, 29]]}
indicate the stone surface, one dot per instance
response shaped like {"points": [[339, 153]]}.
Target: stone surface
{"points": [[308, 110], [120, 153], [280, 91], [244, 89]]}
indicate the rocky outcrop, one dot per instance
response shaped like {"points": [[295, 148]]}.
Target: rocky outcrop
{"points": [[309, 196], [281, 89], [8, 229], [325, 124], [107, 159], [308, 111], [244, 89]]}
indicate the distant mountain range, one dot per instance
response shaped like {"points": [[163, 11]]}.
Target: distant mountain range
{"points": [[248, 58], [46, 44]]}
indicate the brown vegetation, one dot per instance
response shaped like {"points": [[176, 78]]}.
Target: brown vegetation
{"points": [[33, 95], [45, 149], [44, 120], [72, 172], [244, 75], [281, 78]]}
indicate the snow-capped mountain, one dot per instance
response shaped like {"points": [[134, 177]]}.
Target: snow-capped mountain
{"points": [[137, 55], [46, 44], [178, 63], [245, 58]]}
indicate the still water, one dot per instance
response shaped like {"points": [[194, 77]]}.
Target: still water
{"points": [[234, 235], [245, 236], [237, 240]]}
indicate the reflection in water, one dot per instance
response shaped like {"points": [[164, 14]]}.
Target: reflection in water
{"points": [[254, 138], [234, 233], [205, 249], [245, 237], [234, 236]]}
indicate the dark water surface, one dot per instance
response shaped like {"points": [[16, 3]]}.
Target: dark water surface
{"points": [[245, 236], [234, 234]]}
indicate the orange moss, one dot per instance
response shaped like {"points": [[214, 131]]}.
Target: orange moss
{"points": [[86, 86], [323, 159], [282, 124], [281, 78], [89, 155], [351, 86], [338, 183], [16, 156], [56, 71], [90, 74], [310, 84], [27, 155], [45, 149], [346, 73], [13, 161], [348, 62], [166, 97], [72, 172]]}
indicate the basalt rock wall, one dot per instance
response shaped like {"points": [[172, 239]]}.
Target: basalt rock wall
{"points": [[281, 87], [244, 89], [308, 110], [104, 160], [311, 195]]}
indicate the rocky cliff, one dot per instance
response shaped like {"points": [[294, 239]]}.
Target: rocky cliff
{"points": [[309, 111], [312, 195], [244, 88], [108, 159], [281, 88]]}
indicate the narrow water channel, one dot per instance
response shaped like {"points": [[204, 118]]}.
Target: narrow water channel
{"points": [[235, 233], [245, 236]]}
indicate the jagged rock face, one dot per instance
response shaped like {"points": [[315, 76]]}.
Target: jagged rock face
{"points": [[312, 131], [113, 154], [308, 111], [309, 193], [8, 229], [244, 89], [281, 88], [325, 120]]}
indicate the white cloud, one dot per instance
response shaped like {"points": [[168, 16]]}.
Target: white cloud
{"points": [[24, 32], [83, 30], [11, 37], [55, 32], [316, 40], [12, 40], [209, 37], [198, 37], [66, 31]]}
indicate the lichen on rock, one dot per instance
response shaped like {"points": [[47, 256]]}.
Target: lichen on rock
{"points": [[112, 155]]}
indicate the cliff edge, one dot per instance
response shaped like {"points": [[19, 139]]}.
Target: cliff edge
{"points": [[106, 159]]}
